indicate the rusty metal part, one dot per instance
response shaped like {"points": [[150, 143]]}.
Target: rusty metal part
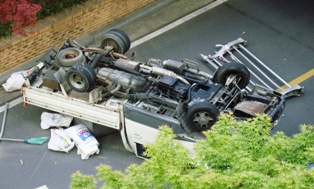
{"points": [[101, 51], [251, 107], [76, 44], [118, 55]]}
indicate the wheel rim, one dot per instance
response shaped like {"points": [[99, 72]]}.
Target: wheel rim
{"points": [[237, 69], [77, 81], [70, 55], [119, 48], [123, 36], [114, 40], [111, 43], [203, 119]]}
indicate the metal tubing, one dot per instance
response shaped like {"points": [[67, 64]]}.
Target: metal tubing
{"points": [[226, 47], [237, 60], [246, 58], [242, 47], [4, 118], [209, 61], [217, 62], [247, 88]]}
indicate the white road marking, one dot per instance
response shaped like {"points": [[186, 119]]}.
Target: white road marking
{"points": [[149, 36], [12, 104], [176, 23]]}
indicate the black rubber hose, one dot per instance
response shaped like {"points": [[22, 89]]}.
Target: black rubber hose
{"points": [[95, 60]]}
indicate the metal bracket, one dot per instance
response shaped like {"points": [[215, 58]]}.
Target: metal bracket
{"points": [[227, 47], [261, 74], [296, 90], [230, 79]]}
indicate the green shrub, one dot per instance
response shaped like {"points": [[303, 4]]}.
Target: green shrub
{"points": [[82, 181], [234, 155], [5, 29], [51, 7]]}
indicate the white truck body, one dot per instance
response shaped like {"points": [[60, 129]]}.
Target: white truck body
{"points": [[135, 98], [108, 114]]}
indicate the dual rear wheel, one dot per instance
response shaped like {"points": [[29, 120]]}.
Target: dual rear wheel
{"points": [[81, 76], [117, 39], [201, 116]]}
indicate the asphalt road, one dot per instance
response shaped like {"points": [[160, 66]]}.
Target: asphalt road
{"points": [[280, 33], [31, 166]]}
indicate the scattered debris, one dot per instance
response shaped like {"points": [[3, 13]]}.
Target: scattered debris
{"points": [[17, 79], [37, 141], [49, 120], [42, 187], [60, 141], [84, 140]]}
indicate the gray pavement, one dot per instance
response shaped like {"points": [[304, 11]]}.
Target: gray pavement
{"points": [[29, 166], [136, 25], [272, 29], [44, 167]]}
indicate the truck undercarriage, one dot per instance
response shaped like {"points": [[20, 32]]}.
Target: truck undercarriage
{"points": [[103, 86]]}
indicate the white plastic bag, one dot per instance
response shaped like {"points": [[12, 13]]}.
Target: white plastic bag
{"points": [[60, 141], [85, 152], [84, 140], [14, 82], [49, 120], [17, 79]]}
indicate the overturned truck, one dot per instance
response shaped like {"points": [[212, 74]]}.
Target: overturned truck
{"points": [[103, 86]]}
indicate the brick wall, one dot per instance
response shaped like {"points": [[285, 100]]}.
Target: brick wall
{"points": [[73, 23]]}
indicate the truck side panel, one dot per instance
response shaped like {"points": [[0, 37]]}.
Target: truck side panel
{"points": [[74, 107]]}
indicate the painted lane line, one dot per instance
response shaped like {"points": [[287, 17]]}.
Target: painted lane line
{"points": [[302, 78], [299, 79], [176, 23], [12, 104]]}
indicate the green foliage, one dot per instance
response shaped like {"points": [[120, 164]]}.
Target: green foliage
{"points": [[21, 14], [82, 181], [113, 179], [233, 155], [5, 29], [168, 161], [51, 7]]}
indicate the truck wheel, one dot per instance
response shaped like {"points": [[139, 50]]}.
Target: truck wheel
{"points": [[81, 77], [202, 116], [222, 73], [114, 40], [125, 38], [69, 56]]}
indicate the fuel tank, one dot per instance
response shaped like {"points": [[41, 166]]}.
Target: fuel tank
{"points": [[126, 80]]}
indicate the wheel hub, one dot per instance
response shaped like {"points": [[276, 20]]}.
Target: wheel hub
{"points": [[203, 119], [76, 81]]}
